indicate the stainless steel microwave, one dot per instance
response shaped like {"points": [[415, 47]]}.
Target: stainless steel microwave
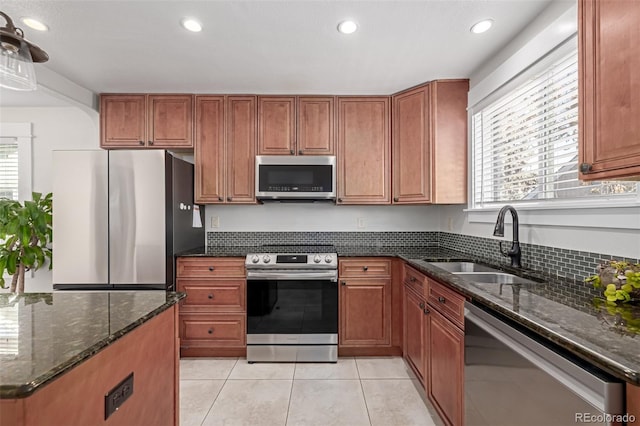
{"points": [[296, 178]]}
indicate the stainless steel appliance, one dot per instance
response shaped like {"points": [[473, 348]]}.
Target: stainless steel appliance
{"points": [[511, 378], [119, 217], [292, 304], [295, 178]]}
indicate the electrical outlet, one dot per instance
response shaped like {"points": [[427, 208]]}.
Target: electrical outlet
{"points": [[361, 223], [215, 221]]}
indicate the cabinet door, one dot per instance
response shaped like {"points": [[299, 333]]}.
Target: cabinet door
{"points": [[276, 125], [445, 368], [241, 149], [609, 60], [209, 149], [411, 156], [365, 312], [170, 121], [364, 150], [123, 121], [414, 331], [316, 131]]}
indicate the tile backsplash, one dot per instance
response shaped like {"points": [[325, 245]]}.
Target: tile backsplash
{"points": [[552, 261]]}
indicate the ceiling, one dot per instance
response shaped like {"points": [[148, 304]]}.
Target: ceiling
{"points": [[268, 47]]}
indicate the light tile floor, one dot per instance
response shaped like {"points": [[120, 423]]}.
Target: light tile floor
{"points": [[355, 391]]}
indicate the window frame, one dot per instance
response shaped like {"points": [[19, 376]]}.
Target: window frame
{"points": [[21, 134]]}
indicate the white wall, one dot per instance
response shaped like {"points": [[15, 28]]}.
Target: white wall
{"points": [[54, 128], [614, 231], [321, 217]]}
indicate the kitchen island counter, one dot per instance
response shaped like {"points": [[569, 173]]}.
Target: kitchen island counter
{"points": [[64, 351]]}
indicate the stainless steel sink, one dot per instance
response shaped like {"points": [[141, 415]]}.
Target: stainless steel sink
{"points": [[465, 267], [493, 278]]}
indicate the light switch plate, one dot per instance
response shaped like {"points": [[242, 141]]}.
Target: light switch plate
{"points": [[215, 221]]}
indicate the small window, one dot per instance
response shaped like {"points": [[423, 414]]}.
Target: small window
{"points": [[9, 168], [525, 145]]}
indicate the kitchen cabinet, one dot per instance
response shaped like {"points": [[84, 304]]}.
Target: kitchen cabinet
{"points": [[414, 320], [633, 400], [225, 149], [430, 143], [365, 303], [146, 121], [609, 59], [213, 315], [291, 125], [364, 150]]}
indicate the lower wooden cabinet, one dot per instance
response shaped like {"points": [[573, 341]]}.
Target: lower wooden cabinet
{"points": [[414, 334], [445, 367], [213, 315], [365, 312]]}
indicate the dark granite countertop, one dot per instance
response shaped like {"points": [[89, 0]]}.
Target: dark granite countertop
{"points": [[558, 310], [57, 331]]}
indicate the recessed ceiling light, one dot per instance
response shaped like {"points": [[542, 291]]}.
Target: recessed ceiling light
{"points": [[191, 25], [482, 26], [35, 24], [347, 27]]}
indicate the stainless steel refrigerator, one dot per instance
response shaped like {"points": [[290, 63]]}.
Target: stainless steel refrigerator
{"points": [[119, 217]]}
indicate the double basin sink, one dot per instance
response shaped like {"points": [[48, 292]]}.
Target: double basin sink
{"points": [[480, 274]]}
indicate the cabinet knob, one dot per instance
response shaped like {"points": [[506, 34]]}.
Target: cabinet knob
{"points": [[426, 311], [585, 168], [365, 268], [141, 142], [220, 199], [229, 198], [210, 296], [343, 282], [211, 268], [421, 305], [150, 142], [301, 152], [210, 331], [412, 279], [292, 152], [339, 200], [396, 199], [441, 299]]}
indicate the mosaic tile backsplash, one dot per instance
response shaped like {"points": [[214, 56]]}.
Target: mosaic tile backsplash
{"points": [[552, 261]]}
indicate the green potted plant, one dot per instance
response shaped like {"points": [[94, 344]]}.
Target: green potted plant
{"points": [[620, 280], [25, 234]]}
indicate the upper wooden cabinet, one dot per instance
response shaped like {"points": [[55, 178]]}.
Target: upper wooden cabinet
{"points": [[290, 125], [430, 143], [364, 150], [146, 121], [609, 105], [225, 149]]}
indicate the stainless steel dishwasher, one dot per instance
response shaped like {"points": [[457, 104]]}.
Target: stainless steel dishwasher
{"points": [[512, 379]]}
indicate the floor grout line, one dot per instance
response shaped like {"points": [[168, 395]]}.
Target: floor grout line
{"points": [[293, 379], [219, 392]]}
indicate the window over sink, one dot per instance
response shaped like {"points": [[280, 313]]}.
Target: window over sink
{"points": [[525, 143]]}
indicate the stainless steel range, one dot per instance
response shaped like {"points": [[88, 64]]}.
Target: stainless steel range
{"points": [[292, 304]]}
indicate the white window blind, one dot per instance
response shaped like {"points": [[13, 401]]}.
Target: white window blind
{"points": [[525, 144], [9, 331], [9, 168]]}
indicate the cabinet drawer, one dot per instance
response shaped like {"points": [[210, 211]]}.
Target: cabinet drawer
{"points": [[212, 330], [447, 301], [200, 267], [224, 295], [415, 280], [365, 267]]}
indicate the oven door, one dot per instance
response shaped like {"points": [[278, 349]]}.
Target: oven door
{"points": [[283, 309]]}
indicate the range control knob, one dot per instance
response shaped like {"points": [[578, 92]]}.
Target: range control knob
{"points": [[317, 258], [328, 259], [266, 258], [255, 259]]}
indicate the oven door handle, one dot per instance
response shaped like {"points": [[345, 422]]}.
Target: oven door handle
{"points": [[291, 275]]}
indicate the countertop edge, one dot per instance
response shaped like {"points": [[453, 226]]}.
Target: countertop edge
{"points": [[27, 389]]}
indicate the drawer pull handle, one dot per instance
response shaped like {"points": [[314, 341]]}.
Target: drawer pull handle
{"points": [[211, 268], [426, 311], [210, 331], [343, 282], [412, 279], [210, 296], [441, 299], [365, 268], [421, 305]]}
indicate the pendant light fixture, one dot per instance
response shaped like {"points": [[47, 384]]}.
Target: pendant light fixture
{"points": [[17, 56]]}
